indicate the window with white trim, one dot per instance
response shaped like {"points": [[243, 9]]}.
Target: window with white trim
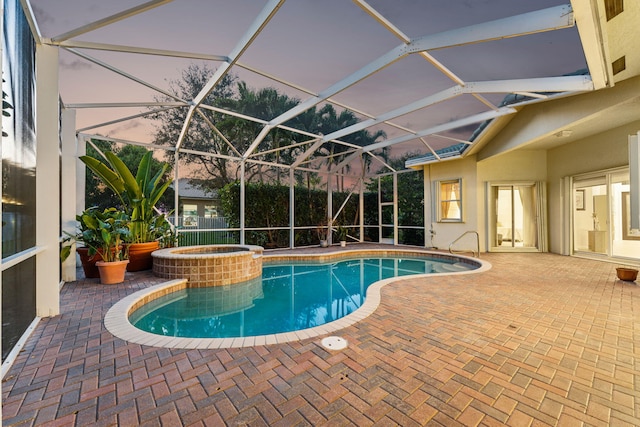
{"points": [[449, 204]]}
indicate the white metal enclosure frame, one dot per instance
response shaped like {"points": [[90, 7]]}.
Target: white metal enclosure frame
{"points": [[83, 43]]}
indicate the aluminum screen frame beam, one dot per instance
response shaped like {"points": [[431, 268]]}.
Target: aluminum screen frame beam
{"points": [[549, 19], [110, 20]]}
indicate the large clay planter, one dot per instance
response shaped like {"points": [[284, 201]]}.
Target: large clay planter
{"points": [[140, 256], [89, 263], [112, 272]]}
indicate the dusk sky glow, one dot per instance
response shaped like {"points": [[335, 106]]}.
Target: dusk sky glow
{"points": [[312, 44]]}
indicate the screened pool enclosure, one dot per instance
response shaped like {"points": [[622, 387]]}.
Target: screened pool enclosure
{"points": [[331, 98], [300, 117]]}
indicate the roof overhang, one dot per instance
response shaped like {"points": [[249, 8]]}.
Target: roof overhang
{"points": [[589, 17]]}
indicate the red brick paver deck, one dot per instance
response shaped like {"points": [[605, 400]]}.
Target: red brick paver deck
{"points": [[539, 339]]}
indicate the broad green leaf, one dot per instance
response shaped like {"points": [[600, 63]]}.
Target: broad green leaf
{"points": [[108, 176]]}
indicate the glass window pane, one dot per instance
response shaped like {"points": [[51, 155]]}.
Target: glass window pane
{"points": [[190, 215], [515, 216], [19, 144], [450, 203], [18, 302], [625, 243], [210, 211], [590, 215]]}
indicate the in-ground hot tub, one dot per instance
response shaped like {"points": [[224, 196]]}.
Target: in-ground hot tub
{"points": [[209, 265]]}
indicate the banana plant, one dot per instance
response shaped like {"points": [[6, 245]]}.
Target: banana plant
{"points": [[138, 194]]}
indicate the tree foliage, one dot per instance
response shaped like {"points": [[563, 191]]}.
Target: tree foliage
{"points": [[410, 199], [267, 206], [96, 193], [227, 135], [200, 135], [330, 121]]}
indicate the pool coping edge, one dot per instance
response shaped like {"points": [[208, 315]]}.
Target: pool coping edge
{"points": [[117, 322]]}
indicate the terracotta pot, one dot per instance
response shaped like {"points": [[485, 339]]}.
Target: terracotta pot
{"points": [[627, 274], [88, 263], [112, 272], [140, 256]]}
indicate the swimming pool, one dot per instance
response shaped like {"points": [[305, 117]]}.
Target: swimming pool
{"points": [[289, 297], [297, 298]]}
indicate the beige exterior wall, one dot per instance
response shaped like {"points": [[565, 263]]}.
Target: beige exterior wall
{"points": [[522, 165], [516, 166], [598, 152], [620, 31], [448, 232]]}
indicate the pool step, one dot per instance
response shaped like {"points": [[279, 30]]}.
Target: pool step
{"points": [[454, 267]]}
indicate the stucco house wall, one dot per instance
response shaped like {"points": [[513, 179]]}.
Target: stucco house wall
{"points": [[447, 232], [514, 166], [598, 152]]}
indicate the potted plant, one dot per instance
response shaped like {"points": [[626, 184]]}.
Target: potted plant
{"points": [[113, 226], [87, 235], [341, 234], [322, 231], [139, 196], [102, 234]]}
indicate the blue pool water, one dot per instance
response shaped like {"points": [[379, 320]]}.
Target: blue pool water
{"points": [[287, 298]]}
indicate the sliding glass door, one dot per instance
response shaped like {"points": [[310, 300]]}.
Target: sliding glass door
{"points": [[601, 224], [514, 222], [591, 215], [624, 243]]}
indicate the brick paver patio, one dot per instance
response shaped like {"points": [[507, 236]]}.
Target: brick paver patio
{"points": [[539, 339]]}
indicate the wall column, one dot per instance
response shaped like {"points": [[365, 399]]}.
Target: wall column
{"points": [[68, 187], [47, 182], [242, 201], [395, 208], [329, 209], [292, 208], [361, 209]]}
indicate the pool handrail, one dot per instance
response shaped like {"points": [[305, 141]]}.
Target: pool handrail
{"points": [[473, 253]]}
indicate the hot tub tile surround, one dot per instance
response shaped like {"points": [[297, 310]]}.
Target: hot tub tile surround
{"points": [[207, 265]]}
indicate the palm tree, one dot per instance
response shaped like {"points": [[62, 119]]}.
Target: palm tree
{"points": [[232, 136], [330, 121], [264, 104]]}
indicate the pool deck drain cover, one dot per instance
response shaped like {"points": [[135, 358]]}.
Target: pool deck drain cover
{"points": [[334, 343]]}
